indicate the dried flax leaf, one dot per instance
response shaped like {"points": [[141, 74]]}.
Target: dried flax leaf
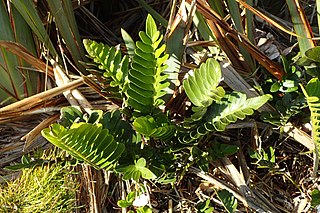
{"points": [[215, 21], [40, 97], [301, 26], [26, 55]]}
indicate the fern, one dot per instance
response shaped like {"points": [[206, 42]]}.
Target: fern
{"points": [[213, 109], [146, 77], [312, 93], [109, 59], [86, 142], [202, 88], [232, 107]]}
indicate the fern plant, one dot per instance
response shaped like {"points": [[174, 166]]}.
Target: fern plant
{"points": [[86, 142], [110, 60], [141, 139]]}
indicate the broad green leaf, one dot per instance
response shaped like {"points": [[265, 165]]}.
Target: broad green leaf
{"points": [[15, 83], [313, 54], [315, 195], [229, 201], [147, 126], [136, 171], [29, 13]]}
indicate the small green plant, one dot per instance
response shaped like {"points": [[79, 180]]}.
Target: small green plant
{"points": [[230, 203], [46, 188], [136, 203], [263, 158], [141, 139], [315, 195], [205, 207]]}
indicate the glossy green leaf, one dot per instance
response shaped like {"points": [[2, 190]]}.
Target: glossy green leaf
{"points": [[313, 54], [129, 43], [146, 80], [148, 126], [136, 171], [228, 110], [229, 201], [110, 60], [201, 87]]}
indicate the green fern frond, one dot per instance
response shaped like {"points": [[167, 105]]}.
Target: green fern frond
{"points": [[228, 110], [109, 59], [146, 77], [86, 142], [202, 87], [147, 126], [312, 93]]}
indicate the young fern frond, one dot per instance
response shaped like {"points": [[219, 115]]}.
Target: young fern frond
{"points": [[86, 142], [110, 60], [146, 79], [202, 89]]}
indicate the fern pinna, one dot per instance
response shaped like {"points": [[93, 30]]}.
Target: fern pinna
{"points": [[312, 94], [146, 79], [86, 142]]}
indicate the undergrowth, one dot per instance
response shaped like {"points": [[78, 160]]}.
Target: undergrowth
{"points": [[44, 188]]}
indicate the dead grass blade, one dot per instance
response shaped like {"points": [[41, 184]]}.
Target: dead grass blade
{"points": [[26, 55], [35, 132], [266, 18], [215, 21], [40, 97]]}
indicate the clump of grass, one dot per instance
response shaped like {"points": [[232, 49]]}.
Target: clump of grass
{"points": [[46, 188]]}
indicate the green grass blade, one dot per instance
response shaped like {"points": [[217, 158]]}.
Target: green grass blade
{"points": [[234, 11], [65, 20], [15, 83], [301, 26], [30, 15], [318, 13], [218, 6], [23, 36]]}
